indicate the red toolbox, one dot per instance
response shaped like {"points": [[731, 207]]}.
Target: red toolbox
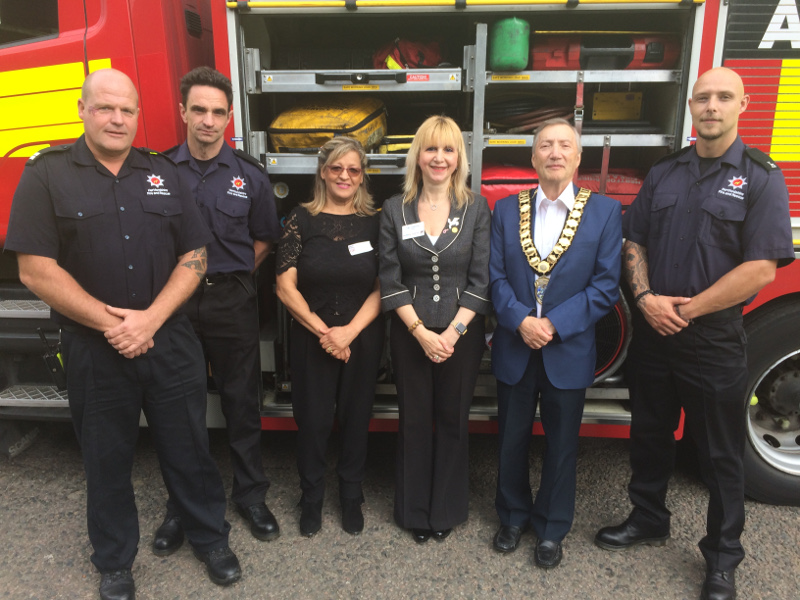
{"points": [[604, 52]]}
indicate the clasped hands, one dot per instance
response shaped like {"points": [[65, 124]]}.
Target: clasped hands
{"points": [[536, 332], [133, 335], [664, 313], [438, 347], [336, 341]]}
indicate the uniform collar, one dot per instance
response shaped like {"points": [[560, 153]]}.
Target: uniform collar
{"points": [[225, 156], [732, 156], [84, 157]]}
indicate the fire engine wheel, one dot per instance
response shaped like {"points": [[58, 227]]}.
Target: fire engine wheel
{"points": [[772, 452]]}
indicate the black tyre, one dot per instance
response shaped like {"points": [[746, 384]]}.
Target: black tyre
{"points": [[772, 452]]}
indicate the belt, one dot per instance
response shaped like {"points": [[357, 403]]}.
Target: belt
{"points": [[726, 314], [223, 277], [83, 330]]}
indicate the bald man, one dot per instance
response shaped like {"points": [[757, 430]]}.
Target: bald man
{"points": [[706, 232], [107, 237]]}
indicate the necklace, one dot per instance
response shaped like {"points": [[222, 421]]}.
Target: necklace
{"points": [[433, 206]]}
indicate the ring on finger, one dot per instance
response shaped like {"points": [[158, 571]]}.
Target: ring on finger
{"points": [[330, 350]]}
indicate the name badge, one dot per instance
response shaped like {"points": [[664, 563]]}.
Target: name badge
{"points": [[414, 230], [359, 248]]}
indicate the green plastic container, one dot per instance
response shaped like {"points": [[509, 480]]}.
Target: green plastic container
{"points": [[509, 45]]}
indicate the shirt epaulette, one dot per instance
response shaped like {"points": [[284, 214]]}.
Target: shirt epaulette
{"points": [[149, 152], [249, 158], [59, 148], [762, 159], [171, 150], [673, 155]]}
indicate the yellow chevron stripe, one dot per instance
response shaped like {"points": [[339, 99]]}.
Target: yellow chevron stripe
{"points": [[786, 128]]}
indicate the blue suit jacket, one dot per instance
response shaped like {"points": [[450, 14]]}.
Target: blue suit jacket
{"points": [[584, 286]]}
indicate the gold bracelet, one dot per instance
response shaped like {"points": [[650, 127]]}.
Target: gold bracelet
{"points": [[414, 325]]}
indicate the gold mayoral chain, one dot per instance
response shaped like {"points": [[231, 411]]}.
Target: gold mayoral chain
{"points": [[544, 266]]}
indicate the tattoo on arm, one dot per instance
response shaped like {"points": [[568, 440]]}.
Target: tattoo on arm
{"points": [[635, 267], [197, 262]]}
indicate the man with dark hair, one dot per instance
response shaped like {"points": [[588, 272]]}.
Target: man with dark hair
{"points": [[706, 232], [235, 198], [107, 236]]}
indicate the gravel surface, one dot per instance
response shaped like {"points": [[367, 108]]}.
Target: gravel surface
{"points": [[46, 549]]}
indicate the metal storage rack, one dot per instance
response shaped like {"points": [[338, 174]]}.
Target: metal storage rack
{"points": [[473, 78], [483, 80]]}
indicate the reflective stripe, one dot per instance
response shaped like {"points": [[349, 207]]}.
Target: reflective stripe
{"points": [[44, 102]]}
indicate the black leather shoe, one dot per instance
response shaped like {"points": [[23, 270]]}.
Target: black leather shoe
{"points": [[507, 538], [719, 585], [117, 585], [421, 535], [222, 565], [547, 554], [352, 517], [441, 534], [310, 518], [263, 524], [630, 533], [168, 537]]}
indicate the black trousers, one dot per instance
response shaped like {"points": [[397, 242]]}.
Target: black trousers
{"points": [[552, 513], [224, 315], [107, 393], [432, 465], [702, 369], [324, 388]]}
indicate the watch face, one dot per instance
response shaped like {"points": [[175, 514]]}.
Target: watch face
{"points": [[461, 328]]}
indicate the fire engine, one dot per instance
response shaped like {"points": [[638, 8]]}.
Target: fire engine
{"points": [[621, 69]]}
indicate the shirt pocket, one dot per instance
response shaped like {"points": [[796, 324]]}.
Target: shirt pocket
{"points": [[231, 218], [723, 221], [162, 216], [661, 211], [80, 220]]}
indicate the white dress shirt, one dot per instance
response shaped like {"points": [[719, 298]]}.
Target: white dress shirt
{"points": [[549, 222]]}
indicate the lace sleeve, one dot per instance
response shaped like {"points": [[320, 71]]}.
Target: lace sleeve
{"points": [[291, 244]]}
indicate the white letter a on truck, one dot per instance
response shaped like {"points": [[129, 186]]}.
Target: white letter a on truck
{"points": [[785, 13]]}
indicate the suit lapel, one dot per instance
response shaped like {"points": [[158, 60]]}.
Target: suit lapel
{"points": [[411, 215]]}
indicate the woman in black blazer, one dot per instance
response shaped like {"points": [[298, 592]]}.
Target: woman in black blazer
{"points": [[434, 276]]}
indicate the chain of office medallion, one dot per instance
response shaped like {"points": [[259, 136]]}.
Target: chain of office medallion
{"points": [[544, 266]]}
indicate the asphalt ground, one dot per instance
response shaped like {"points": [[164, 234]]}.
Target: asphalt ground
{"points": [[45, 549]]}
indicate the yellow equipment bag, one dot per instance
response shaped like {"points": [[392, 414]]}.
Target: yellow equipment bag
{"points": [[308, 125], [395, 144]]}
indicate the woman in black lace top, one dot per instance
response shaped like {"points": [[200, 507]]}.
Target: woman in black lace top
{"points": [[327, 279]]}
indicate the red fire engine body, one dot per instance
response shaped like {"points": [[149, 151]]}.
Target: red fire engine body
{"points": [[629, 102]]}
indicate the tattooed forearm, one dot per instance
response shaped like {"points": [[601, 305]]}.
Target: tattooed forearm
{"points": [[634, 266], [197, 262]]}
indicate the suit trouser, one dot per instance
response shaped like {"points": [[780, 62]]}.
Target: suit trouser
{"points": [[224, 316], [702, 369], [552, 513], [432, 466], [107, 392], [324, 388]]}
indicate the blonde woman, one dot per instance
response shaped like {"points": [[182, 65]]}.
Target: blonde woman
{"points": [[434, 278], [327, 278]]}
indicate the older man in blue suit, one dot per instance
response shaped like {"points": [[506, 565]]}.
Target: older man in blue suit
{"points": [[555, 267]]}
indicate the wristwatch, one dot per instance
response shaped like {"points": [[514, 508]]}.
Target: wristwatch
{"points": [[460, 328]]}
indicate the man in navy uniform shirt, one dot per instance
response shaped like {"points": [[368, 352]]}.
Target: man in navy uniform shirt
{"points": [[106, 235], [235, 198], [706, 232]]}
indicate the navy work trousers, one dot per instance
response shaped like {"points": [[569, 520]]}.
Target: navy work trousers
{"points": [[107, 393]]}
